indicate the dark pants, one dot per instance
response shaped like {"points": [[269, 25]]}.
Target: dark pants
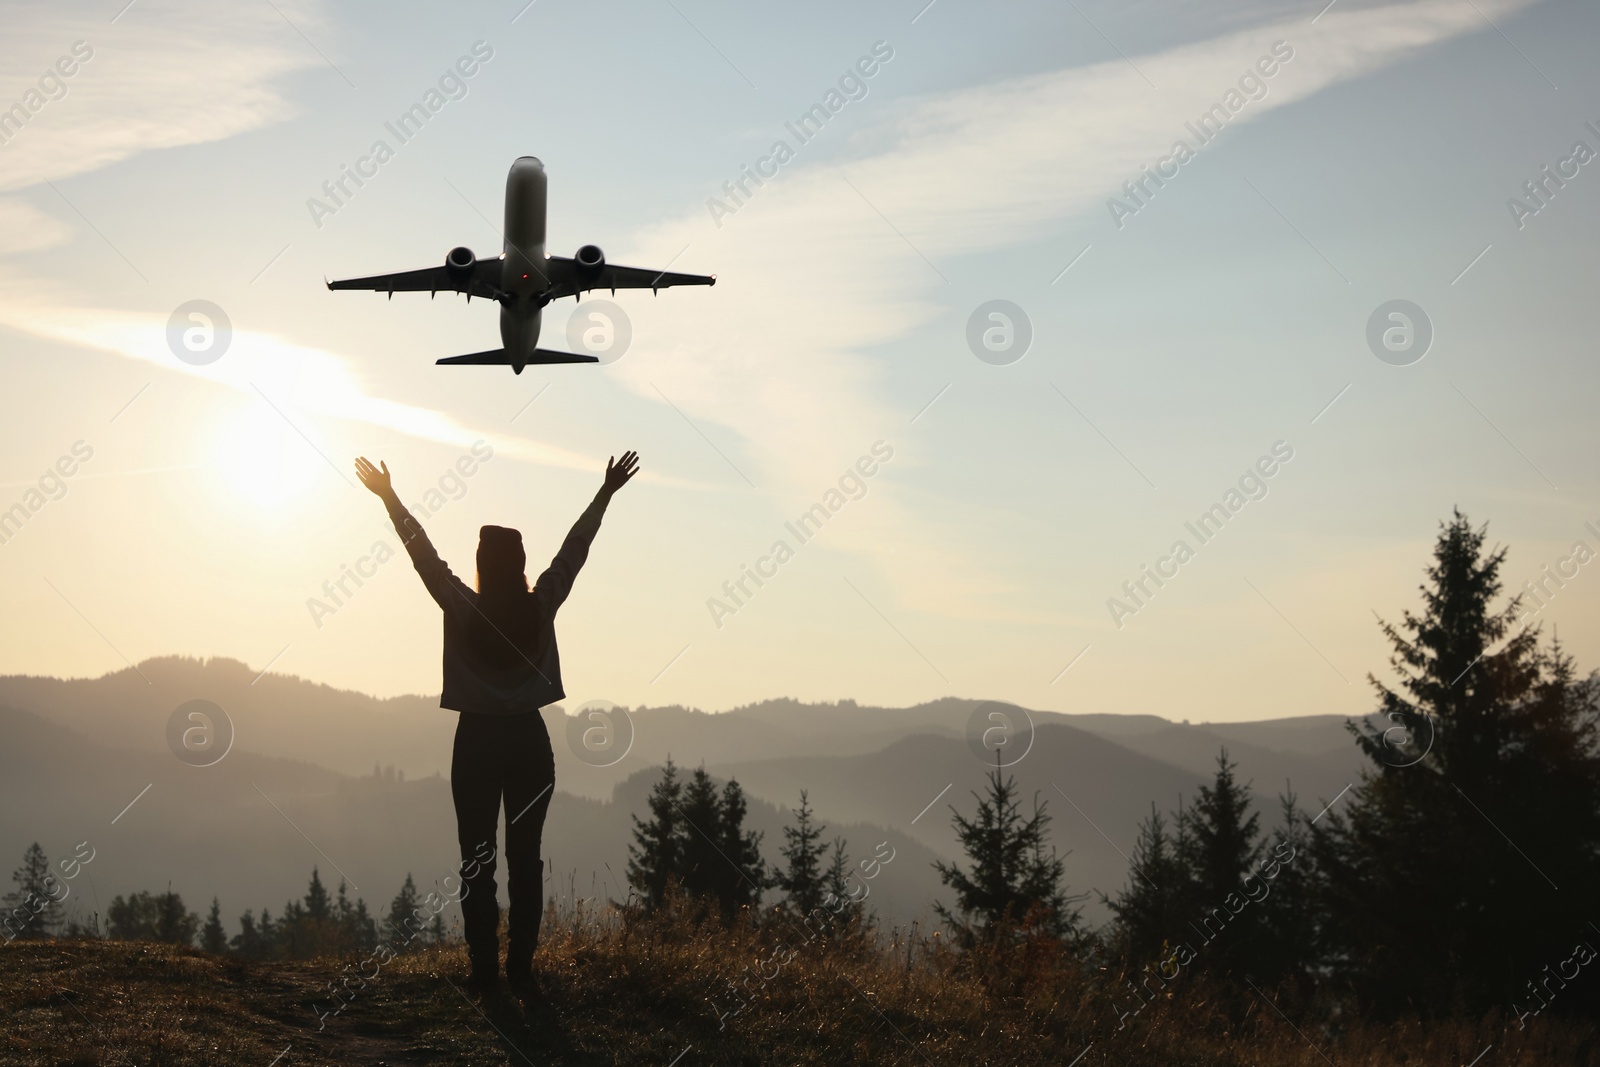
{"points": [[499, 756]]}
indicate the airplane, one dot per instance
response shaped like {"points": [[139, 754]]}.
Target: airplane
{"points": [[523, 279]]}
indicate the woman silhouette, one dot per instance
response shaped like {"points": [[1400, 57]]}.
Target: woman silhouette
{"points": [[500, 667]]}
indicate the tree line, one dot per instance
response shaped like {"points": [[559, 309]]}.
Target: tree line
{"points": [[694, 846], [1456, 874], [318, 924]]}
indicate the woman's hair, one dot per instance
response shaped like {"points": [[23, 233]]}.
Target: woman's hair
{"points": [[503, 628], [501, 561]]}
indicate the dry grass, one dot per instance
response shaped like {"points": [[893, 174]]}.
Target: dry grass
{"points": [[643, 992]]}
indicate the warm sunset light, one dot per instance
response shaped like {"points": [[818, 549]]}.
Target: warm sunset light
{"points": [[264, 460], [689, 533]]}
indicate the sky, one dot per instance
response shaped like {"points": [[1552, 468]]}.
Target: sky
{"points": [[1163, 345]]}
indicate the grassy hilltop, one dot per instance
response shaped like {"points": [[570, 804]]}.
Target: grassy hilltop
{"points": [[637, 993]]}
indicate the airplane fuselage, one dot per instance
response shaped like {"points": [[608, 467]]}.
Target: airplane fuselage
{"points": [[523, 276]]}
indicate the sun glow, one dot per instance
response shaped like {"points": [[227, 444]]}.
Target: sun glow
{"points": [[263, 460]]}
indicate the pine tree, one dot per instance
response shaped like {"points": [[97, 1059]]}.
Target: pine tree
{"points": [[839, 897], [1289, 947], [296, 939], [836, 883], [1150, 909], [247, 943], [318, 907], [343, 912], [213, 938], [1482, 796], [342, 932], [132, 918], [33, 909], [175, 924], [318, 924], [802, 877], [144, 916], [696, 840], [1013, 880], [399, 926], [363, 929], [271, 936], [653, 859], [1221, 847], [1224, 834], [743, 874], [702, 867]]}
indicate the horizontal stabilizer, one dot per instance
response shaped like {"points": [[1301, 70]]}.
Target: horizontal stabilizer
{"points": [[491, 358], [498, 358], [546, 355]]}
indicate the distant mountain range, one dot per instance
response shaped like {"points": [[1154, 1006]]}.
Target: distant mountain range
{"points": [[302, 784]]}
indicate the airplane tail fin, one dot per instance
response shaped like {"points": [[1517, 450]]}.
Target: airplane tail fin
{"points": [[498, 357]]}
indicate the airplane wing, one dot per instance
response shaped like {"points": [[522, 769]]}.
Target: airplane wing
{"points": [[481, 279], [568, 278]]}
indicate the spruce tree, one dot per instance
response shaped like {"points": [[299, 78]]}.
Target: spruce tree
{"points": [[653, 859], [1149, 911], [318, 906], [1013, 879], [144, 916], [33, 909], [841, 900], [270, 935], [1289, 948], [802, 875], [344, 911], [247, 943], [399, 926], [836, 883], [340, 931], [363, 929], [696, 840], [702, 868], [175, 924], [1224, 834], [213, 938], [132, 918], [1221, 847], [743, 874], [295, 940], [1482, 796]]}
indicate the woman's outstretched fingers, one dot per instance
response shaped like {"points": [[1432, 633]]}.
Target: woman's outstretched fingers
{"points": [[619, 471], [371, 477]]}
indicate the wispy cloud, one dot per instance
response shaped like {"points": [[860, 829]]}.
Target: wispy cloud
{"points": [[24, 228], [812, 278], [165, 74]]}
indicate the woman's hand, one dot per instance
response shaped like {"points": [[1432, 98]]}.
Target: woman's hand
{"points": [[375, 479], [619, 471]]}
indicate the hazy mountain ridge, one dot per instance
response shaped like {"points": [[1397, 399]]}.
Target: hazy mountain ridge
{"points": [[249, 829], [349, 731], [79, 750]]}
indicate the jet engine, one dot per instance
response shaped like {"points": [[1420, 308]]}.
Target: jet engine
{"points": [[458, 262], [589, 260]]}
